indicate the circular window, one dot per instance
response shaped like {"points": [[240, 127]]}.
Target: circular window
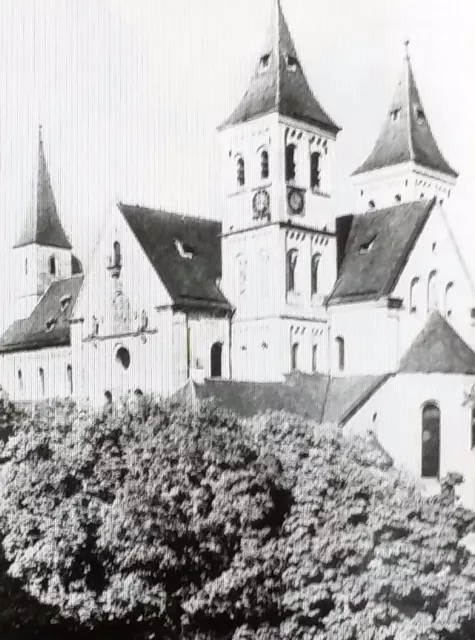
{"points": [[123, 357]]}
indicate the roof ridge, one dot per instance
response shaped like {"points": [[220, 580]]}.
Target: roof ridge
{"points": [[409, 113], [169, 213]]}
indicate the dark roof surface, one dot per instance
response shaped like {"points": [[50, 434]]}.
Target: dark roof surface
{"points": [[32, 332], [391, 234], [42, 225], [407, 137], [317, 397], [278, 88], [188, 280], [438, 349]]}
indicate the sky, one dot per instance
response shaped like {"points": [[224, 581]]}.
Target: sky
{"points": [[130, 92]]}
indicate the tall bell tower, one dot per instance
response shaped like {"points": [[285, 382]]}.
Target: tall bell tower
{"points": [[278, 246]]}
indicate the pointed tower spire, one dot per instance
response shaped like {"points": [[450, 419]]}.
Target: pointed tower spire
{"points": [[279, 83], [43, 226], [406, 135]]}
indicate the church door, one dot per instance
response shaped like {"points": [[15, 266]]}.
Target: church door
{"points": [[216, 357], [430, 441]]}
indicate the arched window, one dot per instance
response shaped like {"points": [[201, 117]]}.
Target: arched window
{"points": [[315, 170], [20, 380], [41, 374], [340, 351], [449, 298], [290, 162], [291, 263], [264, 164], [314, 274], [430, 440], [69, 374], [414, 291], [241, 176], [294, 357], [432, 292], [52, 266], [123, 357], [216, 360], [117, 255], [314, 358]]}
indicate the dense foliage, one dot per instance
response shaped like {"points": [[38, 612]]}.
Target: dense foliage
{"points": [[193, 524]]}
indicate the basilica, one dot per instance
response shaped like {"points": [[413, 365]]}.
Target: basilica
{"points": [[366, 319]]}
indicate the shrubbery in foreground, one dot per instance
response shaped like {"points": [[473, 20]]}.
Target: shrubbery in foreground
{"points": [[202, 526]]}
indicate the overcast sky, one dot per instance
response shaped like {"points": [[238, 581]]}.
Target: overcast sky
{"points": [[130, 92]]}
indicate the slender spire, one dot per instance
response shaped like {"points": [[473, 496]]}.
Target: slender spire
{"points": [[42, 225], [406, 134], [279, 83]]}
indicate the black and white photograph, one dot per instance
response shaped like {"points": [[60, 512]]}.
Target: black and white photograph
{"points": [[237, 330]]}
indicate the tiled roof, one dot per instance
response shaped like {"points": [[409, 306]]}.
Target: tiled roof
{"points": [[280, 87], [377, 248], [438, 349], [42, 225], [316, 397], [189, 280], [48, 324], [406, 134]]}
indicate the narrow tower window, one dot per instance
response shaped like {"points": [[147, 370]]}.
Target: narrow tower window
{"points": [[26, 266], [449, 298], [123, 357], [315, 170], [314, 274], [472, 428], [41, 374], [414, 295], [52, 265], [264, 165], [69, 374], [241, 178], [20, 380], [432, 292], [117, 255], [290, 162], [291, 263], [294, 356], [216, 360], [340, 348], [314, 358], [430, 441]]}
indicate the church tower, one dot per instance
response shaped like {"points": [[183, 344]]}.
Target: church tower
{"points": [[406, 163], [43, 251], [278, 245]]}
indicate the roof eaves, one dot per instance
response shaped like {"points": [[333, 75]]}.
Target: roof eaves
{"points": [[363, 399]]}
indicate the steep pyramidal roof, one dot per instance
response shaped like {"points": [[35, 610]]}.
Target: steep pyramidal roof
{"points": [[406, 134], [279, 83], [43, 225], [438, 349]]}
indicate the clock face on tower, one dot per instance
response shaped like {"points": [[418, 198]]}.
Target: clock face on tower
{"points": [[260, 203], [296, 201]]}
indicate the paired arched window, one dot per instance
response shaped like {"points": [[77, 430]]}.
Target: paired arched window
{"points": [[315, 170], [117, 255], [340, 352], [414, 292], [41, 375], [52, 266], [241, 175], [291, 264], [314, 358], [264, 164], [216, 360], [123, 357], [430, 441], [432, 292], [290, 162], [69, 375], [315, 267], [294, 356], [449, 298]]}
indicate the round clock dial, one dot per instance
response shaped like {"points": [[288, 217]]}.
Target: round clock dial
{"points": [[260, 202], [296, 201]]}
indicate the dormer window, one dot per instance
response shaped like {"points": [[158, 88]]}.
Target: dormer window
{"points": [[64, 302], [395, 114], [50, 323], [365, 247], [264, 62], [292, 63], [185, 250], [420, 116]]}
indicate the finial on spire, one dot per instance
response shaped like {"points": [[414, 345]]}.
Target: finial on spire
{"points": [[40, 133], [406, 44]]}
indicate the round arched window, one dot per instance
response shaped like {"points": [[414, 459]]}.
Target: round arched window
{"points": [[123, 357]]}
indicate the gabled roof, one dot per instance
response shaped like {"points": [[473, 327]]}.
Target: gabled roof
{"points": [[281, 86], [378, 246], [48, 324], [167, 239], [42, 225], [438, 349], [406, 134]]}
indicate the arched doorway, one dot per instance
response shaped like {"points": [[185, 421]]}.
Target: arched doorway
{"points": [[430, 440], [216, 360]]}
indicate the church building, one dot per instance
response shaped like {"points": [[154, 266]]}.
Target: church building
{"points": [[365, 319]]}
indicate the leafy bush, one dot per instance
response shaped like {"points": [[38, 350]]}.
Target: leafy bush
{"points": [[207, 527]]}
